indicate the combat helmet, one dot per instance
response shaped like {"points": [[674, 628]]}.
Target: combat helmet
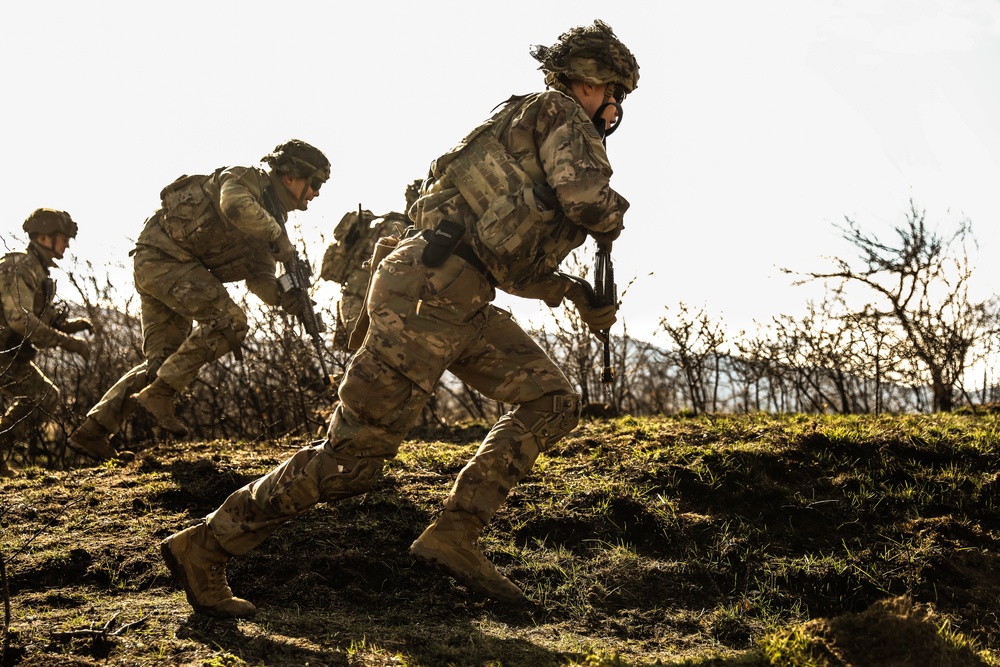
{"points": [[592, 54], [299, 160], [49, 221], [412, 193]]}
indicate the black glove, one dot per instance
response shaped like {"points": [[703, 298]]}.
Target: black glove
{"points": [[605, 239], [293, 302], [597, 318], [282, 249]]}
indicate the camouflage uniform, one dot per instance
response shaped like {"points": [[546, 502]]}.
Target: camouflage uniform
{"points": [[30, 322], [344, 261], [425, 320], [211, 230]]}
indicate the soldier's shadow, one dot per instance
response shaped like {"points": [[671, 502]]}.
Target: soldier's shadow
{"points": [[339, 578]]}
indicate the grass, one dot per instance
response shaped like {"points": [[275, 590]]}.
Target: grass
{"points": [[697, 540]]}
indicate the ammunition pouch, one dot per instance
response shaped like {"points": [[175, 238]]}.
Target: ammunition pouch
{"points": [[518, 218], [441, 242], [188, 208], [510, 206]]}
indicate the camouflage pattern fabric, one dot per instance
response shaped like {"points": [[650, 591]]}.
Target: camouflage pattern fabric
{"points": [[26, 293], [182, 259], [571, 163], [29, 390], [593, 54], [426, 320], [344, 263], [423, 321]]}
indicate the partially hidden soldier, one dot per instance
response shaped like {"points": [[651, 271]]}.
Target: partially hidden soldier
{"points": [[345, 260], [32, 320], [210, 230], [501, 210]]}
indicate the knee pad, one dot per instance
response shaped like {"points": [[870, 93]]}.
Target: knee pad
{"points": [[288, 489], [550, 417], [312, 475]]}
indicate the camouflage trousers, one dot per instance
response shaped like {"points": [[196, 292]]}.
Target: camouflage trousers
{"points": [[424, 321], [188, 320], [29, 391], [348, 311]]}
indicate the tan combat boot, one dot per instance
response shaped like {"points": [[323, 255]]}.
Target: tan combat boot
{"points": [[198, 563], [93, 440], [450, 543], [158, 400]]}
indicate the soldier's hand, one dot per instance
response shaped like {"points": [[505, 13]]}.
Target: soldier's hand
{"points": [[597, 318], [76, 346], [282, 249], [77, 324], [606, 239], [293, 302]]}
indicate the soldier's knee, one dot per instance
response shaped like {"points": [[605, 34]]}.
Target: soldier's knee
{"points": [[241, 327], [550, 417], [233, 325], [315, 474], [290, 488], [238, 320], [356, 476]]}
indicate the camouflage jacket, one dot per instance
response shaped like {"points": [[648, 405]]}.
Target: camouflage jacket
{"points": [[550, 138], [27, 293], [219, 220], [354, 242]]}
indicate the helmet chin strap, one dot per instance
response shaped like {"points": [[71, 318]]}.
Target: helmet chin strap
{"points": [[602, 126]]}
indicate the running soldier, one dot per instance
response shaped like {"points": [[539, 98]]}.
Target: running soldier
{"points": [[210, 230], [32, 321], [501, 210], [344, 260]]}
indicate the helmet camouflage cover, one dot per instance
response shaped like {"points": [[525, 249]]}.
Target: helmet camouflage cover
{"points": [[49, 221], [300, 160], [412, 193], [592, 54]]}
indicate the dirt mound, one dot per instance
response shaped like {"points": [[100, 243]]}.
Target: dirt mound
{"points": [[890, 633]]}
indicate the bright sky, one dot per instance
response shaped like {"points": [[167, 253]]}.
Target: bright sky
{"points": [[754, 128]]}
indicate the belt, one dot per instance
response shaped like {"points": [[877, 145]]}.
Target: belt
{"points": [[465, 251]]}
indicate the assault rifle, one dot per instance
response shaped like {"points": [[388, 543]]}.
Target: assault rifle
{"points": [[296, 277], [606, 294]]}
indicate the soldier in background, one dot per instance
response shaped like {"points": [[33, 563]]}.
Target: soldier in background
{"points": [[32, 321], [210, 230], [501, 210], [344, 260]]}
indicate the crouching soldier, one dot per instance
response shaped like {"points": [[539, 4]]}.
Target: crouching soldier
{"points": [[210, 230], [31, 322], [500, 211]]}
